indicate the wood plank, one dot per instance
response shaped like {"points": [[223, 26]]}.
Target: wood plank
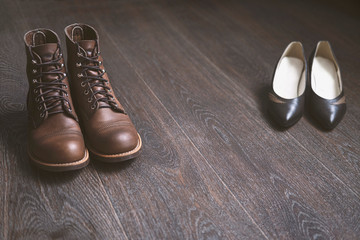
{"points": [[192, 212], [191, 75], [169, 192], [257, 164], [170, 182], [338, 150]]}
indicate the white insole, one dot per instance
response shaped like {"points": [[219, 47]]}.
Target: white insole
{"points": [[287, 77], [325, 82]]}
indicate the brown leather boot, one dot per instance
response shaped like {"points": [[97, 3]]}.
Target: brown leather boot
{"points": [[109, 133], [55, 141]]}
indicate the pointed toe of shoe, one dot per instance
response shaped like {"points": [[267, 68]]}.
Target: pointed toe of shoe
{"points": [[329, 123], [286, 112], [328, 113], [285, 120], [328, 116], [290, 119]]}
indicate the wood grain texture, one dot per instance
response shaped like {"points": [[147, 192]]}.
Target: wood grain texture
{"points": [[347, 143], [183, 81], [192, 76]]}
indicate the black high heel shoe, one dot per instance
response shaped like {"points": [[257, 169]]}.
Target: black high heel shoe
{"points": [[327, 99], [286, 97]]}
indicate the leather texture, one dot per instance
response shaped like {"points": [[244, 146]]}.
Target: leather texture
{"points": [[287, 112], [327, 112], [109, 133], [55, 141]]}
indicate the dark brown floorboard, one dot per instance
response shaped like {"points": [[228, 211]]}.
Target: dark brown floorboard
{"points": [[241, 73], [192, 75]]}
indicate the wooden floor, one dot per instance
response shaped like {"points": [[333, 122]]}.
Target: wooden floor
{"points": [[193, 77]]}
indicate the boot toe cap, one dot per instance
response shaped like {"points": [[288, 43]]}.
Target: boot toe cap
{"points": [[59, 150], [115, 140]]}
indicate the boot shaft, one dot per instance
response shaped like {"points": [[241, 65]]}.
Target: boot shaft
{"points": [[49, 92], [41, 45], [89, 81]]}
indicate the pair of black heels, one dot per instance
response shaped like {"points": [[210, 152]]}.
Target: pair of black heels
{"points": [[287, 95]]}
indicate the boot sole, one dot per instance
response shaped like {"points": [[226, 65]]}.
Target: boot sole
{"points": [[120, 157], [60, 167]]}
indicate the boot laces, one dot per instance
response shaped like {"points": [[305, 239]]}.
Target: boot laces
{"points": [[45, 99], [92, 63]]}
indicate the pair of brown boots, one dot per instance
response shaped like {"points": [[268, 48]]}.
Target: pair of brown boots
{"points": [[62, 121]]}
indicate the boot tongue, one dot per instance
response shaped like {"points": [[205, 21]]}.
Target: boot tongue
{"points": [[46, 51], [88, 46]]}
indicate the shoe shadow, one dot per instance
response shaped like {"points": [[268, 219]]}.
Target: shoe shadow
{"points": [[104, 167], [55, 178], [13, 135], [262, 94]]}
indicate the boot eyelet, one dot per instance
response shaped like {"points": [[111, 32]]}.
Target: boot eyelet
{"points": [[42, 115], [39, 107], [62, 65], [65, 86], [89, 100], [103, 71], [78, 64], [70, 110], [37, 99], [60, 55], [93, 106], [86, 92], [34, 61], [34, 71], [34, 81], [100, 62], [79, 54], [109, 90], [80, 75], [66, 94], [36, 91], [64, 74], [83, 84]]}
